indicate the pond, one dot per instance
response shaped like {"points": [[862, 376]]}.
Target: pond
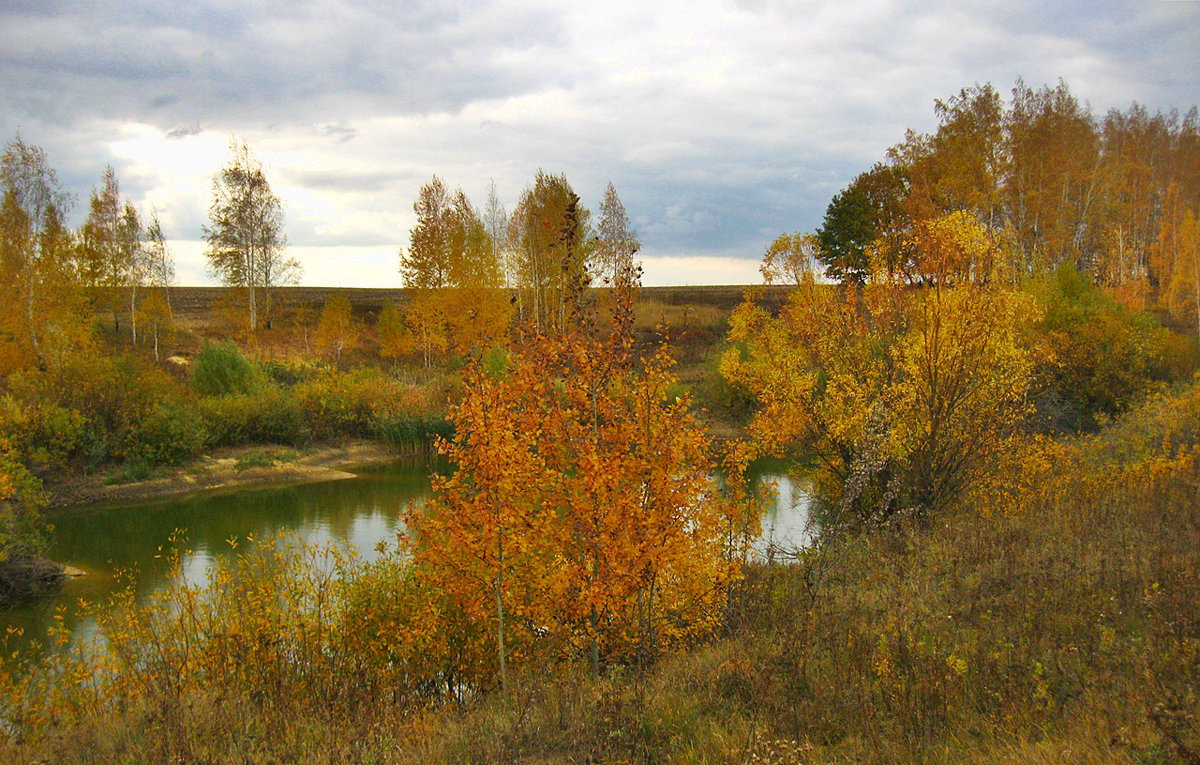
{"points": [[363, 511]]}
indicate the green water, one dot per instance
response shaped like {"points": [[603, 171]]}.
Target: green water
{"points": [[105, 540], [364, 511]]}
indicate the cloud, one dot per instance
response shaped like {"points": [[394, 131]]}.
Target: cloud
{"points": [[239, 65], [184, 131], [721, 123]]}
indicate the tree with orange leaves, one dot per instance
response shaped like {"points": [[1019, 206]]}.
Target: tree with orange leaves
{"points": [[583, 518]]}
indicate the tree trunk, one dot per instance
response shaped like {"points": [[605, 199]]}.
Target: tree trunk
{"points": [[1196, 279], [500, 611], [133, 312], [30, 315], [253, 310]]}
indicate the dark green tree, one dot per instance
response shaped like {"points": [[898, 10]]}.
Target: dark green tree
{"points": [[846, 233]]}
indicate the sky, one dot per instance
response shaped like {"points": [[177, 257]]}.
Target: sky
{"points": [[721, 123]]}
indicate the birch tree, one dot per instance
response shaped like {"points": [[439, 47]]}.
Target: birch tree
{"points": [[615, 243], [548, 231], [453, 273], [246, 242], [160, 259], [134, 264], [27, 176]]}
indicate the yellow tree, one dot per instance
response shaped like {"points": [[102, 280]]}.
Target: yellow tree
{"points": [[791, 258], [37, 280], [426, 320], [336, 329], [100, 245], [453, 275], [17, 350], [902, 396], [956, 249], [615, 242], [548, 233], [156, 311], [1183, 291], [391, 330], [476, 306], [1051, 181]]}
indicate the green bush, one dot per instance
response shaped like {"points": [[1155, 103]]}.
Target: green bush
{"points": [[221, 369], [268, 416], [45, 436], [1101, 357], [111, 396], [289, 372], [169, 435], [340, 404], [22, 498]]}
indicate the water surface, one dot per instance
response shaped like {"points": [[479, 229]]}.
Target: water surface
{"points": [[105, 540], [362, 512]]}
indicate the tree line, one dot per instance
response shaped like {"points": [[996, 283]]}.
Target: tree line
{"points": [[992, 281], [457, 266], [1046, 183], [468, 272], [56, 279]]}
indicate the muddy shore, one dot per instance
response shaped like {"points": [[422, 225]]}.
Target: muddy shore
{"points": [[245, 466]]}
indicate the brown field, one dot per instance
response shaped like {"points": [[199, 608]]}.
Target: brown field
{"points": [[692, 318], [200, 305]]}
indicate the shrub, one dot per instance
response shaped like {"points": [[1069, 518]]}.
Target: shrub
{"points": [[1101, 357], [169, 435], [268, 416], [221, 369], [112, 395], [289, 372], [45, 436], [352, 403], [23, 533]]}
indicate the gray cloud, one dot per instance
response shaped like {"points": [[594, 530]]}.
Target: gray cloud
{"points": [[721, 123], [183, 131], [235, 65]]}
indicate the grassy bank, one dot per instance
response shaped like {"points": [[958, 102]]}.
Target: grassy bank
{"points": [[1062, 627]]}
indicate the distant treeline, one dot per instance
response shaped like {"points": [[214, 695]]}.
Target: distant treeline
{"points": [[1049, 182]]}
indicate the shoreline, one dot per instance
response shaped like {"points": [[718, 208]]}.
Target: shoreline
{"points": [[224, 468]]}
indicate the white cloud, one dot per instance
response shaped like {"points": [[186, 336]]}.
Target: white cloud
{"points": [[697, 270]]}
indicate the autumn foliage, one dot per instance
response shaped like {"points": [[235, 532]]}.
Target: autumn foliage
{"points": [[583, 518], [982, 580], [901, 396]]}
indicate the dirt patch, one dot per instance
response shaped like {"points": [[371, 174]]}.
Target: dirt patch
{"points": [[243, 466]]}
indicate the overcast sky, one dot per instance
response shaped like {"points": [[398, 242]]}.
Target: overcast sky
{"points": [[721, 124]]}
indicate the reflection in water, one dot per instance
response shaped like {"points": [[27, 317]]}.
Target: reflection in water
{"points": [[106, 541], [785, 520], [361, 512]]}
